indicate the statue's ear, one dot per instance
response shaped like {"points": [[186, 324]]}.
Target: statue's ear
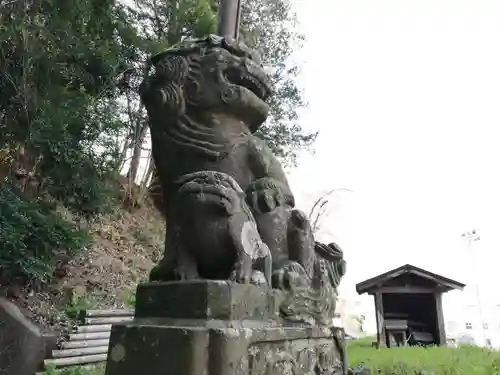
{"points": [[174, 97], [168, 96], [164, 88], [172, 68]]}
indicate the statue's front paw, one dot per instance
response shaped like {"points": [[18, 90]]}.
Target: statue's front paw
{"points": [[264, 199], [242, 272], [209, 188], [163, 273], [292, 275]]}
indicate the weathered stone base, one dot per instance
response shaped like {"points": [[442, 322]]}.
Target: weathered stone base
{"points": [[250, 342], [23, 346]]}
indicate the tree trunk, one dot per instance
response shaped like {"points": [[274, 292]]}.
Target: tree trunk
{"points": [[134, 162], [174, 32], [140, 126], [123, 156], [145, 181]]}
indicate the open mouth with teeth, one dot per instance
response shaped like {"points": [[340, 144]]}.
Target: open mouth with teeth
{"points": [[252, 83]]}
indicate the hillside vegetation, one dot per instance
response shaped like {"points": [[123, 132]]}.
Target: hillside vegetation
{"points": [[77, 228]]}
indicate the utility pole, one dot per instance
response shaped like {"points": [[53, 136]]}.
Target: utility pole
{"points": [[472, 237], [229, 18]]}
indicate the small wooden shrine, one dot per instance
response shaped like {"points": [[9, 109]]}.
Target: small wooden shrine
{"points": [[408, 306]]}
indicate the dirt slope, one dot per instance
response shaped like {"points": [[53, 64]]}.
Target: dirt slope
{"points": [[125, 246]]}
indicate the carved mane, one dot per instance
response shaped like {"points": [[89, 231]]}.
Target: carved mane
{"points": [[177, 83]]}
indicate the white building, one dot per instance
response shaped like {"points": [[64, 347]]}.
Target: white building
{"points": [[468, 322]]}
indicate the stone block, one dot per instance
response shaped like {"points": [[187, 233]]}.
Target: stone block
{"points": [[206, 299], [142, 349], [22, 344], [156, 349], [211, 334]]}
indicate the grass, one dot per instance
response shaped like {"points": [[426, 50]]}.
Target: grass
{"points": [[77, 303], [84, 370], [464, 360]]}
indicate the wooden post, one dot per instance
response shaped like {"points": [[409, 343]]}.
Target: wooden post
{"points": [[441, 332], [379, 311]]}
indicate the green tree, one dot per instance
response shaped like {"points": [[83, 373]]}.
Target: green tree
{"points": [[59, 122], [158, 24], [267, 25], [69, 109], [270, 27], [59, 116]]}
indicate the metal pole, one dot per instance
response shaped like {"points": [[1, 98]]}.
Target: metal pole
{"points": [[238, 21], [470, 237], [229, 18]]}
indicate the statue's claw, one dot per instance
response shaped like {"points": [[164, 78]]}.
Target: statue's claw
{"points": [[162, 273], [239, 276], [270, 200], [263, 201], [253, 201], [242, 270]]}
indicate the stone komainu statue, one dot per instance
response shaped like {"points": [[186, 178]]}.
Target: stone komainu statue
{"points": [[230, 209]]}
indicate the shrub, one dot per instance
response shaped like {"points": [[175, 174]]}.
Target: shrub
{"points": [[71, 168], [75, 181], [31, 237]]}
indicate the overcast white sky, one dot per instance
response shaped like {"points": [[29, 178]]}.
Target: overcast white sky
{"points": [[406, 96]]}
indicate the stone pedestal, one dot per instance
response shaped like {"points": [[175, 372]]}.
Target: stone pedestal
{"points": [[23, 346], [218, 328]]}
